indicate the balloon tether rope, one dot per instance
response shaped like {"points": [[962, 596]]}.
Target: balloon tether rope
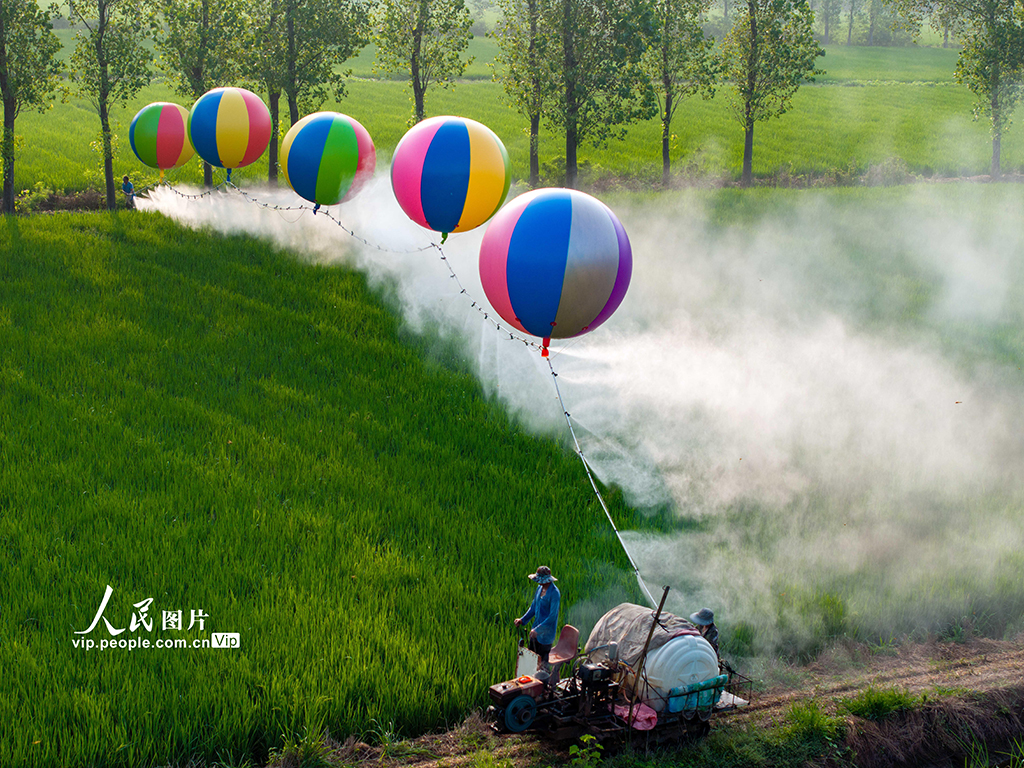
{"points": [[597, 491]]}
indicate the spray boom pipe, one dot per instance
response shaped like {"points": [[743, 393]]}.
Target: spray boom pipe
{"points": [[593, 484]]}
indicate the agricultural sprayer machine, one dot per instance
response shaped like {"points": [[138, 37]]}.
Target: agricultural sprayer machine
{"points": [[640, 670]]}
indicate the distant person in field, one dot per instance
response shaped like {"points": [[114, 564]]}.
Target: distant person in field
{"points": [[704, 619], [129, 194], [544, 612]]}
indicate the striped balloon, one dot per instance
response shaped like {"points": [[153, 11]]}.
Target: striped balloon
{"points": [[229, 127], [327, 157], [450, 174], [159, 136], [555, 263]]}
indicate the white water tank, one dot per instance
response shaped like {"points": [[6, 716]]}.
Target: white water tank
{"points": [[680, 662]]}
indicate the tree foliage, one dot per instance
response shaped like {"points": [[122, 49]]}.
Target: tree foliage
{"points": [[29, 69], [523, 64], [679, 62], [297, 48], [423, 38], [199, 42], [601, 83], [109, 64], [769, 51], [991, 61]]}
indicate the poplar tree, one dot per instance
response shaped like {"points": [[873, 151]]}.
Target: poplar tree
{"points": [[599, 77], [679, 62], [296, 49], [109, 65], [29, 69], [769, 51], [991, 57], [522, 64], [424, 39], [199, 42]]}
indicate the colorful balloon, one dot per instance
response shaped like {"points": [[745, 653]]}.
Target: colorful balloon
{"points": [[327, 157], [555, 263], [229, 127], [450, 174], [159, 135]]}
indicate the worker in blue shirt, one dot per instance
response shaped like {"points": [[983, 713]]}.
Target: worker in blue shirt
{"points": [[129, 194], [544, 612]]}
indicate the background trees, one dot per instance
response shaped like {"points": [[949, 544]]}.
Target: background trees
{"points": [[199, 42], [767, 54], [524, 63], [109, 63], [28, 73], [992, 56], [424, 38], [597, 71], [679, 62]]}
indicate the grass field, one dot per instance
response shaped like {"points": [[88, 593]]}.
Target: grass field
{"points": [[211, 424], [872, 105]]}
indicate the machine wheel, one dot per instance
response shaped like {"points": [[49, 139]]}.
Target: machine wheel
{"points": [[519, 713]]}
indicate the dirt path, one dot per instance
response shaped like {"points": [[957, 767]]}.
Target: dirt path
{"points": [[949, 671], [979, 665]]}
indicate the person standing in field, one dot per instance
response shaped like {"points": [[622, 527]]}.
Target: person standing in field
{"points": [[129, 194], [544, 612]]}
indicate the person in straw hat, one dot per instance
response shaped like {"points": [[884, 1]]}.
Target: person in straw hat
{"points": [[544, 612]]}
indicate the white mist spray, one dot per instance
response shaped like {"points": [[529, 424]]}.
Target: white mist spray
{"points": [[838, 461]]}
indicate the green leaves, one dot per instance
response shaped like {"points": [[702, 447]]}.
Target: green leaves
{"points": [[767, 54], [425, 38]]}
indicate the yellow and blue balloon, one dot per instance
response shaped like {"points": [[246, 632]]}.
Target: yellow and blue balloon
{"points": [[327, 157], [555, 263], [229, 127], [450, 174]]}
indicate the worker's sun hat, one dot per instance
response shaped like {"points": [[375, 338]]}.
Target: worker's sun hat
{"points": [[542, 576], [703, 617]]}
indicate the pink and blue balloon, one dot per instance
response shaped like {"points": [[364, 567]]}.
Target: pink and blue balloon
{"points": [[229, 127], [327, 157], [555, 263], [159, 136], [450, 174]]}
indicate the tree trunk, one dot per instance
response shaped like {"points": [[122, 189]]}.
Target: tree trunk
{"points": [[102, 100], [274, 97], [10, 107], [535, 99], [292, 88], [207, 175], [826, 14], [872, 14], [571, 105], [666, 136], [725, 9], [108, 153], [748, 107], [849, 29], [418, 87], [534, 150], [997, 134], [748, 154]]}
